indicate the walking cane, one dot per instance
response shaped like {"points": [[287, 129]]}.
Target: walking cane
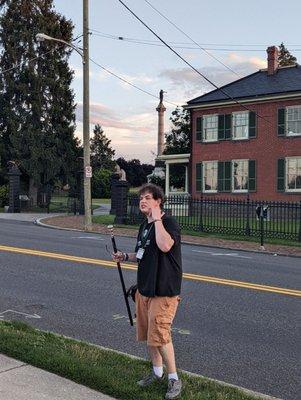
{"points": [[111, 228]]}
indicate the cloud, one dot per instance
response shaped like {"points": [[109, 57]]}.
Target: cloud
{"points": [[108, 118], [191, 84]]}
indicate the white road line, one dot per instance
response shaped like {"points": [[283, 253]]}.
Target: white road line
{"points": [[220, 254], [86, 237], [20, 313]]}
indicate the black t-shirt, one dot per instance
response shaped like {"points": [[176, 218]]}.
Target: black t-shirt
{"points": [[159, 273]]}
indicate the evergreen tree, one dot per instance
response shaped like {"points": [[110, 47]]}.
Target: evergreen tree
{"points": [[37, 119], [285, 58], [101, 151], [177, 141]]}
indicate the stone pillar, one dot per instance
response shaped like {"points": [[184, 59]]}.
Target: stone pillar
{"points": [[167, 179], [114, 194], [122, 188], [14, 188]]}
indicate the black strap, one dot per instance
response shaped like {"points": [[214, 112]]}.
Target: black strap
{"points": [[143, 242]]}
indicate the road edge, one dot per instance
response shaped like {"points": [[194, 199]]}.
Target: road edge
{"points": [[40, 223]]}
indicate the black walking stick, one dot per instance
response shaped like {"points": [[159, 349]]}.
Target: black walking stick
{"points": [[111, 228]]}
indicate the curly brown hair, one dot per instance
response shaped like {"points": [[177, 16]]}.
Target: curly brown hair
{"points": [[154, 190]]}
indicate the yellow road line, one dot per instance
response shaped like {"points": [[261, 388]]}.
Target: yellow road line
{"points": [[189, 276]]}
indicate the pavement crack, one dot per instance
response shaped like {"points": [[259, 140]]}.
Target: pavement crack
{"points": [[12, 368]]}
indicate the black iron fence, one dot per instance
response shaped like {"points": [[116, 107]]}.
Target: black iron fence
{"points": [[233, 217], [54, 201]]}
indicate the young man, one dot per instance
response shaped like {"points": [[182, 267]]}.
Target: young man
{"points": [[158, 253]]}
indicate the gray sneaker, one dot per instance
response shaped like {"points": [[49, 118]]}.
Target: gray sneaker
{"points": [[149, 379], [174, 389]]}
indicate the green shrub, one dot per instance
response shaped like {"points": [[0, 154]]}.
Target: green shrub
{"points": [[101, 183], [4, 195]]}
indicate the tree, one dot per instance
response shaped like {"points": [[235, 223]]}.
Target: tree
{"points": [[101, 183], [136, 173], [178, 139], [285, 58], [101, 152], [37, 118]]}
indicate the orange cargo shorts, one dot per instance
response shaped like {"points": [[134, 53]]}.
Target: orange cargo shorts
{"points": [[154, 316]]}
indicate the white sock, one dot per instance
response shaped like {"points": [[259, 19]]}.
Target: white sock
{"points": [[158, 371], [173, 376]]}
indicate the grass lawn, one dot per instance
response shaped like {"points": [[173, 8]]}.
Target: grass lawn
{"points": [[103, 370], [109, 219]]}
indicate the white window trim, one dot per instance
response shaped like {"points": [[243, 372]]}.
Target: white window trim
{"points": [[232, 178], [286, 183], [232, 125], [203, 183], [286, 121], [203, 133]]}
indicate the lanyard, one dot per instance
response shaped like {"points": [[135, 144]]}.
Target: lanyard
{"points": [[144, 240]]}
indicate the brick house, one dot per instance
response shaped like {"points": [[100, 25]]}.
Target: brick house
{"points": [[253, 147]]}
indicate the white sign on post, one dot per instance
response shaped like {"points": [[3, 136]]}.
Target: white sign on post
{"points": [[88, 171]]}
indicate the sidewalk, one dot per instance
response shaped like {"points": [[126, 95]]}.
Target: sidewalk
{"points": [[77, 223], [20, 381]]}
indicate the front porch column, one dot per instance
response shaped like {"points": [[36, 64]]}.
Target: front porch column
{"points": [[186, 179], [167, 179]]}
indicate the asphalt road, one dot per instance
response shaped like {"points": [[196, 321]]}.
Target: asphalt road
{"points": [[239, 335]]}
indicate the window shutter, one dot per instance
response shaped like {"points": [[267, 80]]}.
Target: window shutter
{"points": [[252, 124], [252, 176], [228, 126], [281, 175], [281, 122], [228, 176], [199, 177], [199, 129], [220, 176], [221, 127]]}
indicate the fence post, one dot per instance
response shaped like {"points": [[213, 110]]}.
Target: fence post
{"points": [[247, 230], [201, 226]]}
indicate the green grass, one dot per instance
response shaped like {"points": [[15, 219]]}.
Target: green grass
{"points": [[101, 201], [103, 370], [109, 219]]}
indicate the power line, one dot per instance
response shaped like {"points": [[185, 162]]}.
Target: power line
{"points": [[25, 61], [192, 40], [184, 45], [129, 83], [187, 63]]}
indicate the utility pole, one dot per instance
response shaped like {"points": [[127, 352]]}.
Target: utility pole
{"points": [[86, 117]]}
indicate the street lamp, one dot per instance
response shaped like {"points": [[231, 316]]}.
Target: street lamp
{"points": [[86, 102]]}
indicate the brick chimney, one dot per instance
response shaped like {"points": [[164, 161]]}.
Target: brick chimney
{"points": [[273, 53]]}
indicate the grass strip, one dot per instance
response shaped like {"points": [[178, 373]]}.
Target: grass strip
{"points": [[106, 371], [109, 219]]}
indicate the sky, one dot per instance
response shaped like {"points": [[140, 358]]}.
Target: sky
{"points": [[235, 33]]}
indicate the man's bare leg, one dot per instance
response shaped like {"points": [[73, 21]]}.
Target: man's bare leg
{"points": [[168, 355], [155, 356]]}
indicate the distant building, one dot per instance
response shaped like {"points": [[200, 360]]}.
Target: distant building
{"points": [[253, 147]]}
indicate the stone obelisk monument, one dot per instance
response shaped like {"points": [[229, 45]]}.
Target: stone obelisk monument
{"points": [[161, 110]]}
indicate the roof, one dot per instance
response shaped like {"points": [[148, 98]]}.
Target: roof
{"points": [[286, 80]]}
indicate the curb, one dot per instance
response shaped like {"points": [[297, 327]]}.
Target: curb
{"points": [[39, 223]]}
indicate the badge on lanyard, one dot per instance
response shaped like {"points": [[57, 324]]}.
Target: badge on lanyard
{"points": [[140, 253]]}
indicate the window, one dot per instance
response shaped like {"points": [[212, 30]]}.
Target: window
{"points": [[293, 121], [293, 174], [210, 176], [210, 128], [240, 176], [240, 123]]}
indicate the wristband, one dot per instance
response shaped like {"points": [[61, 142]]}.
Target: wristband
{"points": [[155, 220]]}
